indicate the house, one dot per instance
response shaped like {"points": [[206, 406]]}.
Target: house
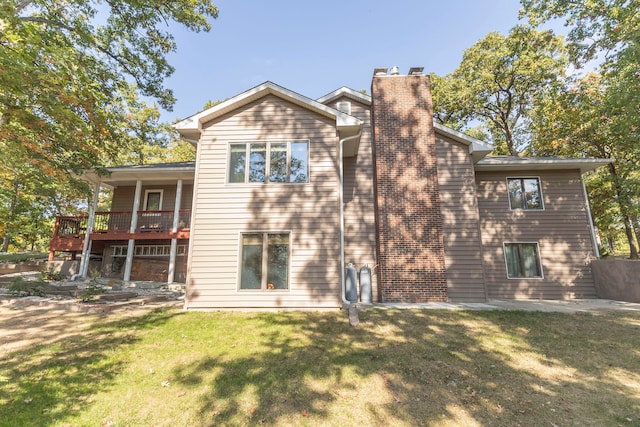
{"points": [[286, 190]]}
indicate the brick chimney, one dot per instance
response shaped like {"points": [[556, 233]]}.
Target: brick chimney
{"points": [[409, 232]]}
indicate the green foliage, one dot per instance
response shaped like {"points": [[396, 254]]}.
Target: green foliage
{"points": [[498, 81], [596, 26], [23, 288], [66, 102], [93, 289], [50, 276], [599, 115], [22, 257]]}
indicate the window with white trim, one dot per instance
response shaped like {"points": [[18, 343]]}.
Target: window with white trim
{"points": [[153, 200], [264, 261], [148, 250], [270, 161], [522, 260], [524, 193]]}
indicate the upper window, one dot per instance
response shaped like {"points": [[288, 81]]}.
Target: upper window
{"points": [[523, 260], [264, 261], [269, 162], [524, 193], [153, 200]]}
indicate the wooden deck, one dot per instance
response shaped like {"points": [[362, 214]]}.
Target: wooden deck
{"points": [[70, 231]]}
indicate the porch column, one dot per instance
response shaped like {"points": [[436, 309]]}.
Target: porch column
{"points": [[132, 229], [86, 246], [174, 241]]}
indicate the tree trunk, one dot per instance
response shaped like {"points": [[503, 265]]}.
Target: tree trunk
{"points": [[625, 208], [628, 229], [636, 227], [611, 246], [8, 231]]}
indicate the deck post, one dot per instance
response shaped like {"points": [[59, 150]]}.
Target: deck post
{"points": [[132, 229], [174, 229], [86, 247], [52, 253], [174, 242]]}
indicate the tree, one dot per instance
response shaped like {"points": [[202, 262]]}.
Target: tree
{"points": [[607, 105], [597, 27], [66, 103], [63, 70], [586, 121], [498, 81]]}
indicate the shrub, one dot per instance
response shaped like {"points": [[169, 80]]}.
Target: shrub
{"points": [[20, 287]]}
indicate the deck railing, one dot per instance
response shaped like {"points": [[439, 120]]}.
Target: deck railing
{"points": [[120, 223]]}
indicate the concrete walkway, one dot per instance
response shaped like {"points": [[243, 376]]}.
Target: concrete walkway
{"points": [[563, 306]]}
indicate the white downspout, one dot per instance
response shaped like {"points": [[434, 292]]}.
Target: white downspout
{"points": [[341, 191], [594, 241]]}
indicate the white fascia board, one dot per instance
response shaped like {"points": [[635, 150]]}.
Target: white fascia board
{"points": [[539, 163], [477, 148], [345, 91], [193, 125], [119, 174]]}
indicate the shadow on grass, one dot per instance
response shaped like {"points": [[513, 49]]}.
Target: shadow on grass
{"points": [[419, 368], [58, 377]]}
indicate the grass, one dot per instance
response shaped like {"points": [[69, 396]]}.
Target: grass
{"points": [[22, 257], [399, 367]]}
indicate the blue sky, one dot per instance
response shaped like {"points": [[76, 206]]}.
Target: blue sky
{"points": [[314, 47]]}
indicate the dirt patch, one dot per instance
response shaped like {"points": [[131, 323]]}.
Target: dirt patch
{"points": [[33, 321]]}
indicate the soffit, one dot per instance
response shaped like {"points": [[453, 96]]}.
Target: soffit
{"points": [[158, 174]]}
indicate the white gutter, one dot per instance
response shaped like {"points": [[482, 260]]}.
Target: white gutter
{"points": [[341, 172]]}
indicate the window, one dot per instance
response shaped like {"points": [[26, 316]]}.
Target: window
{"points": [[269, 162], [149, 250], [264, 261], [524, 193], [344, 107], [153, 200], [523, 260]]}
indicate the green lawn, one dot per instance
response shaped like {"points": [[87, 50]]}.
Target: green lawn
{"points": [[399, 367]]}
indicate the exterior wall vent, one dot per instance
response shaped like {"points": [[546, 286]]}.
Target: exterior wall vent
{"points": [[344, 107]]}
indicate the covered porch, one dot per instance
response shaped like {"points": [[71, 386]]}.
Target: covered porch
{"points": [[149, 223]]}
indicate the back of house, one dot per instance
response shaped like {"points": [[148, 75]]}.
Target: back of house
{"points": [[289, 194]]}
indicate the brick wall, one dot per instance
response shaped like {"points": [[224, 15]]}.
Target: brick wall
{"points": [[409, 231]]}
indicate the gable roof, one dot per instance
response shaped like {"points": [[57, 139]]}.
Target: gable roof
{"points": [[345, 91], [521, 163], [477, 148], [191, 127]]}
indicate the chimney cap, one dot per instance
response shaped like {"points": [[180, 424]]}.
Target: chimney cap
{"points": [[380, 71], [416, 71]]}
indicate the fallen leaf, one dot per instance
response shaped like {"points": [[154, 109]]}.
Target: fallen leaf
{"points": [[305, 413]]}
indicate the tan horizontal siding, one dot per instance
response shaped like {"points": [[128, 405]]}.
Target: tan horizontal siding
{"points": [[309, 211], [123, 197], [463, 250], [359, 207], [562, 231]]}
